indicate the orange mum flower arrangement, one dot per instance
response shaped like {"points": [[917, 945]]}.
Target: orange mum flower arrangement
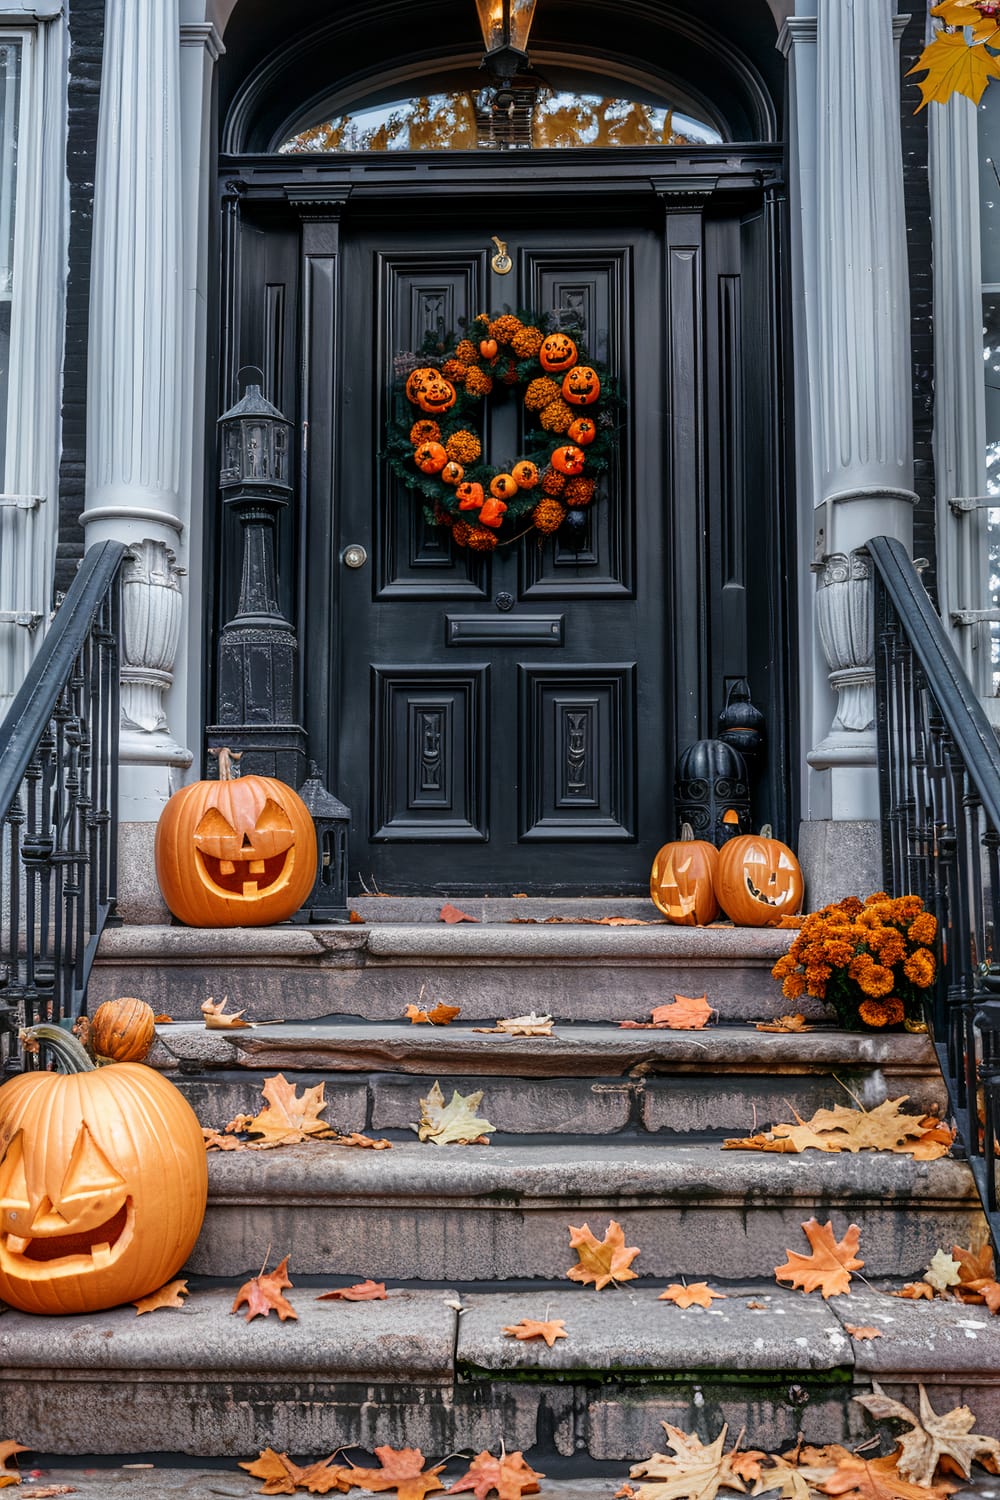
{"points": [[870, 960]]}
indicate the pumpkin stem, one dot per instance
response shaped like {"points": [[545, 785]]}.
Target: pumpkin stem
{"points": [[70, 1055], [229, 769]]}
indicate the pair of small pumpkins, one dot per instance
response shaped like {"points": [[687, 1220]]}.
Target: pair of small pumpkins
{"points": [[103, 1176], [754, 878]]}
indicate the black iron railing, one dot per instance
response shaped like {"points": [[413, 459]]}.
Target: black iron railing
{"points": [[939, 782], [58, 808]]}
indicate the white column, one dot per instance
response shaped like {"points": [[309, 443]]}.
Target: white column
{"points": [[861, 412], [137, 484]]}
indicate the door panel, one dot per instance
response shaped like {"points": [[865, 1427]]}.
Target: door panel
{"points": [[469, 761]]}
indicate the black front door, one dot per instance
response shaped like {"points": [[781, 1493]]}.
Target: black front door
{"points": [[500, 723]]}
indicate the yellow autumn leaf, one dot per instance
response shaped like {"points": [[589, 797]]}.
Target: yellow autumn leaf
{"points": [[954, 67]]}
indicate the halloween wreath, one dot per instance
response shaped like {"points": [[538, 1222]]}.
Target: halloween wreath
{"points": [[571, 410]]}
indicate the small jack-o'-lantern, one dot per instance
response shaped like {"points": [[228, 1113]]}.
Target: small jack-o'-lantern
{"points": [[503, 486], [430, 458], [682, 881], [581, 385], [452, 473], [492, 513], [103, 1182], [418, 378], [436, 395], [582, 431], [525, 474], [235, 853], [568, 460], [470, 495], [558, 352], [759, 880]]}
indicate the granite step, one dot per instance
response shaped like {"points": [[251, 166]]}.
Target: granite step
{"points": [[586, 1079], [487, 1213], [431, 1368], [373, 971]]}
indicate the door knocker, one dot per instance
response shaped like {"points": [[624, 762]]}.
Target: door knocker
{"points": [[501, 262]]}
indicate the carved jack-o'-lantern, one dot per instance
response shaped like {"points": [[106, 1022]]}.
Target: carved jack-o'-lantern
{"points": [[568, 460], [581, 385], [436, 395], [418, 378], [558, 352], [235, 853], [682, 881], [759, 880], [103, 1183]]}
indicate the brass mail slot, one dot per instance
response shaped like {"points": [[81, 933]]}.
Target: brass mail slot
{"points": [[504, 630]]}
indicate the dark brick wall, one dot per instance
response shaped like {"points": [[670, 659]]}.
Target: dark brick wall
{"points": [[918, 241], [86, 22]]}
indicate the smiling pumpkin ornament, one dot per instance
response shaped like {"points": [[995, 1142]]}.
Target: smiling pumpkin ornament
{"points": [[581, 386], [237, 852], [103, 1182], [759, 880]]}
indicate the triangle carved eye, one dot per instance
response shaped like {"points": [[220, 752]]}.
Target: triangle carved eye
{"points": [[214, 825], [89, 1171], [273, 819], [13, 1182]]}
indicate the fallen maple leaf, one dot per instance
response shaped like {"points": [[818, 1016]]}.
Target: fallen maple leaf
{"points": [[364, 1142], [977, 1278], [440, 1015], [171, 1295], [216, 1142], [529, 1025], [403, 1471], [453, 1123], [931, 1438], [283, 1477], [601, 1261], [915, 1291], [694, 1469], [216, 1018], [953, 67], [7, 1450], [289, 1118], [884, 1128], [828, 1269], [449, 913], [789, 1479], [942, 1272], [683, 1013], [966, 13], [532, 1328], [863, 1331], [857, 1478], [509, 1476], [362, 1291], [263, 1292], [699, 1293], [785, 1023]]}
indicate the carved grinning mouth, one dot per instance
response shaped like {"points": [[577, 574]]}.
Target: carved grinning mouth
{"points": [[764, 899], [244, 877], [102, 1245]]}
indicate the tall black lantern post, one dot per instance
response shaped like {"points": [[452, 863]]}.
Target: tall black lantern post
{"points": [[256, 692]]}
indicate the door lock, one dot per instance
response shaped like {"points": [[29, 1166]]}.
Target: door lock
{"points": [[354, 556]]}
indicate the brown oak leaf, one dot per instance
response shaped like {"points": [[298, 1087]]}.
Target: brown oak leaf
{"points": [[828, 1269], [171, 1295], [509, 1477], [9, 1476], [884, 1128], [683, 1013], [218, 1019], [698, 1293], [403, 1471], [449, 913], [601, 1261], [532, 1328], [932, 1439], [863, 1331], [362, 1291], [785, 1023], [263, 1292], [439, 1015], [289, 1118]]}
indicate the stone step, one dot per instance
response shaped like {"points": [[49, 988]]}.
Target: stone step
{"points": [[415, 1371], [373, 972], [488, 1213], [583, 1080]]}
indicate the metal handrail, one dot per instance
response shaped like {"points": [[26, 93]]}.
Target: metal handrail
{"points": [[939, 788], [58, 807]]}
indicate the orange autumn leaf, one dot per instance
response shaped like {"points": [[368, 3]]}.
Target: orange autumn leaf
{"points": [[217, 1018], [977, 1280], [683, 1013], [697, 1294], [785, 1023], [953, 66], [863, 1331], [263, 1292], [7, 1450], [283, 1477], [601, 1261], [171, 1295], [968, 13], [915, 1291], [362, 1291], [828, 1268], [364, 1142], [858, 1478], [355, 916], [449, 913], [508, 1477], [934, 1438], [162, 1019], [440, 1015], [533, 1328], [885, 1128], [214, 1141], [403, 1471], [289, 1117]]}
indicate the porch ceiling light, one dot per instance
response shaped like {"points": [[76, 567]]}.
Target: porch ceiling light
{"points": [[506, 26]]}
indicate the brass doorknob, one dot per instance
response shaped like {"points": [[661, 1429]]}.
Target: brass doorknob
{"points": [[354, 556]]}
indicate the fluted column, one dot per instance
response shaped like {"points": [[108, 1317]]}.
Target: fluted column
{"points": [[861, 403], [136, 425]]}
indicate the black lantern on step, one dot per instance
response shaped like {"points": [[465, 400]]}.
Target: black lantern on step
{"points": [[741, 723], [327, 901], [712, 791], [506, 26]]}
